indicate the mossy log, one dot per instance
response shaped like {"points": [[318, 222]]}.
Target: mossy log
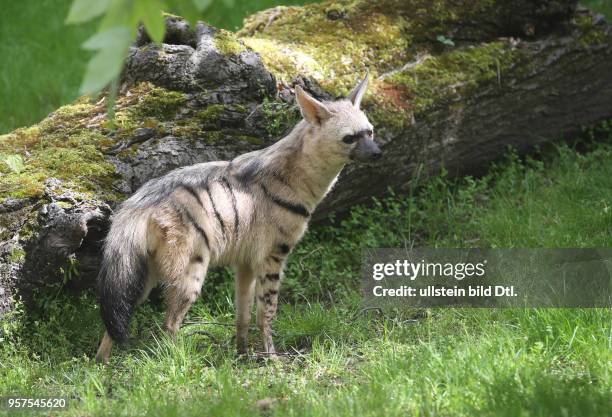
{"points": [[454, 83]]}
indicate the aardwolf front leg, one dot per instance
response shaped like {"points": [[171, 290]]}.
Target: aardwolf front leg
{"points": [[245, 286], [268, 285]]}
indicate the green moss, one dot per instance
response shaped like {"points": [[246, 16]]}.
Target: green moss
{"points": [[441, 79], [210, 115], [389, 116], [285, 63], [147, 106], [186, 131], [278, 116], [193, 131], [448, 74], [17, 254], [212, 137], [208, 126], [70, 143], [62, 146], [203, 125], [251, 139], [227, 43], [590, 33], [294, 40], [334, 42], [86, 160], [156, 102]]}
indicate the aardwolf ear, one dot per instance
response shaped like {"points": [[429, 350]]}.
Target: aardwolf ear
{"points": [[312, 109], [356, 95]]}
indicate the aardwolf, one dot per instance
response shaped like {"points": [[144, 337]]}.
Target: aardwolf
{"points": [[247, 213]]}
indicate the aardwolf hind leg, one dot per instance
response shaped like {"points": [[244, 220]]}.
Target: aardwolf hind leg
{"points": [[245, 286], [104, 350], [181, 294]]}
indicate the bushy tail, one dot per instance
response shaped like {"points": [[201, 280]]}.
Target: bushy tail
{"points": [[123, 273]]}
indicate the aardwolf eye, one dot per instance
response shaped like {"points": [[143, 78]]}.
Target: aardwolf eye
{"points": [[350, 138]]}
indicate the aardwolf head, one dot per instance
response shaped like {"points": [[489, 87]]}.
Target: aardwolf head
{"points": [[341, 129]]}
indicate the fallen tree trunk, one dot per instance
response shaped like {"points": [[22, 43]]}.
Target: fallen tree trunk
{"points": [[454, 84]]}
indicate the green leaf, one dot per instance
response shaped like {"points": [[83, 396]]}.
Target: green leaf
{"points": [[14, 162], [202, 5], [112, 37], [119, 13], [229, 3], [446, 41], [150, 13], [112, 45], [187, 9], [85, 10], [101, 70]]}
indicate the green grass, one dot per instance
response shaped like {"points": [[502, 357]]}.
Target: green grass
{"points": [[447, 362], [43, 63]]}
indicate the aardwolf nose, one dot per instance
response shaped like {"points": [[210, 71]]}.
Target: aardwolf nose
{"points": [[376, 155]]}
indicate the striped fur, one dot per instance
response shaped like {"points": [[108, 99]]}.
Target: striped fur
{"points": [[247, 213]]}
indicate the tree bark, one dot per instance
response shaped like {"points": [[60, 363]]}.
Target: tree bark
{"points": [[454, 84]]}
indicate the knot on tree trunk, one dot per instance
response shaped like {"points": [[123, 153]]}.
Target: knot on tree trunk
{"points": [[60, 240], [200, 59]]}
